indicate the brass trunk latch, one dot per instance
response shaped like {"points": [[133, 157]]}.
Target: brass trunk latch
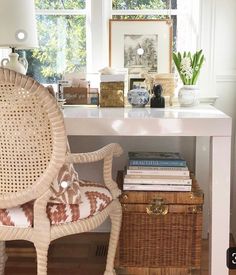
{"points": [[157, 207]]}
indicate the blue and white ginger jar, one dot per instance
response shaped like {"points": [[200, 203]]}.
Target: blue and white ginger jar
{"points": [[138, 97]]}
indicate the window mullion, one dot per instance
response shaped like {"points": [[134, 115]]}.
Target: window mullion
{"points": [[98, 15], [61, 12], [144, 12]]}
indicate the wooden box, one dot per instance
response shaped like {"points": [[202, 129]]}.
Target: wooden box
{"points": [[112, 94], [168, 243], [75, 95]]}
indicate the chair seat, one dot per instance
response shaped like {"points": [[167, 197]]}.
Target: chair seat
{"points": [[94, 198]]}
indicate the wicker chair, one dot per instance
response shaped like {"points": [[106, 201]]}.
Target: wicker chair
{"points": [[33, 150]]}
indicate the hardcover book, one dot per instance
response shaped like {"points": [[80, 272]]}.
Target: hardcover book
{"points": [[158, 171], [146, 180], [148, 176], [157, 187], [156, 159]]}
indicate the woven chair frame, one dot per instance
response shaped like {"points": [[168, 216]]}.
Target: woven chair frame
{"points": [[15, 85], [42, 233]]}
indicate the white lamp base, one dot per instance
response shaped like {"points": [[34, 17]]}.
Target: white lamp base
{"points": [[15, 63]]}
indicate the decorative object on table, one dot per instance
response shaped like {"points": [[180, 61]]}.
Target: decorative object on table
{"points": [[157, 100], [167, 81], [76, 78], [188, 66], [138, 97], [111, 88], [137, 83], [60, 92], [155, 223], [77, 90], [107, 71], [18, 31], [77, 95], [141, 45], [93, 96]]}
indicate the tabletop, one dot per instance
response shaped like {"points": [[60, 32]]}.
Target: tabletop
{"points": [[201, 120]]}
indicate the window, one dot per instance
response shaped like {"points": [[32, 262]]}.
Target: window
{"points": [[184, 14], [73, 35], [62, 40], [146, 9]]}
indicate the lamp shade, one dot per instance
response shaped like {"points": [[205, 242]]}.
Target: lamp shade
{"points": [[18, 24]]}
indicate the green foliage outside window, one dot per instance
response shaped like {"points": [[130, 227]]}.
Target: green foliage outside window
{"points": [[62, 45], [62, 42], [60, 4], [138, 4], [62, 38]]}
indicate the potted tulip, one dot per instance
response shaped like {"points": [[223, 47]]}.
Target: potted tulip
{"points": [[188, 66]]}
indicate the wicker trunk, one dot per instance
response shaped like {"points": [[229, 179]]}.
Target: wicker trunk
{"points": [[164, 244]]}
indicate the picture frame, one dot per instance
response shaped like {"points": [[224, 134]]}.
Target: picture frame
{"points": [[136, 83], [153, 37]]}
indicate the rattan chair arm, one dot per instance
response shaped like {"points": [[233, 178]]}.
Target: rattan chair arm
{"points": [[112, 149], [107, 176], [106, 154]]}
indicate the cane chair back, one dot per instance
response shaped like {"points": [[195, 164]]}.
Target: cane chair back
{"points": [[32, 137]]}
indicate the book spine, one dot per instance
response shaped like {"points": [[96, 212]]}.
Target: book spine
{"points": [[157, 177], [162, 162], [169, 168], [158, 172], [158, 181], [157, 187]]}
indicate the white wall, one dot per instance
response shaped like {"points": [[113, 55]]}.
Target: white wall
{"points": [[218, 37], [225, 78]]}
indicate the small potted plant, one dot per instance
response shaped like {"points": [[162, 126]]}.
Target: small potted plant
{"points": [[188, 66]]}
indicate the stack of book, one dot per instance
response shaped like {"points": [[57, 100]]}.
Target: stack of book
{"points": [[157, 171]]}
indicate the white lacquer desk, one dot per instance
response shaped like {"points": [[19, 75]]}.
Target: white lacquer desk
{"points": [[199, 121]]}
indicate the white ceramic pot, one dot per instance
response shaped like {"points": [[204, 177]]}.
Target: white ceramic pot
{"points": [[188, 96], [15, 63]]}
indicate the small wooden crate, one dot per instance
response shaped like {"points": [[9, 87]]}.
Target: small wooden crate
{"points": [[112, 94], [167, 244], [75, 95]]}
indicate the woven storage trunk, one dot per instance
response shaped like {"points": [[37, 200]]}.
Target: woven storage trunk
{"points": [[168, 244]]}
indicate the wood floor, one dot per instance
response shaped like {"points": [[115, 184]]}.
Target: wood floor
{"points": [[74, 255]]}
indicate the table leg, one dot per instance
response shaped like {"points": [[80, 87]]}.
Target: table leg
{"points": [[220, 204], [202, 175]]}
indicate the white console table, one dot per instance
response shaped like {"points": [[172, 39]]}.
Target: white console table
{"points": [[199, 121]]}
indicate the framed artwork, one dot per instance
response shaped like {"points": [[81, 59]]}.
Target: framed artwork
{"points": [[141, 44], [136, 83]]}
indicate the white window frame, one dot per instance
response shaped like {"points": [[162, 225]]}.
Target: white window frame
{"points": [[186, 11], [100, 11], [97, 15]]}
